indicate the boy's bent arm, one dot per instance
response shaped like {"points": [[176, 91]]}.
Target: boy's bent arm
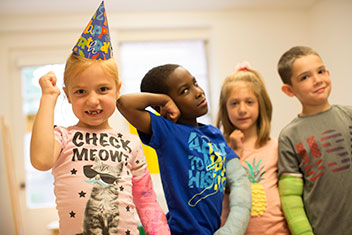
{"points": [[240, 199], [44, 149], [291, 191], [132, 107]]}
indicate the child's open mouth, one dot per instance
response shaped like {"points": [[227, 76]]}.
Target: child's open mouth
{"points": [[94, 112]]}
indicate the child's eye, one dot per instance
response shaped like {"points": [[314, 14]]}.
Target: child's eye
{"points": [[184, 91], [104, 89], [304, 77], [80, 91], [322, 71]]}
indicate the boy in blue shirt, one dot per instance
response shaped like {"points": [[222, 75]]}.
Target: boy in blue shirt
{"points": [[192, 156]]}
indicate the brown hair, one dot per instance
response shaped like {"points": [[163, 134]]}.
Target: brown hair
{"points": [[256, 84], [286, 61]]}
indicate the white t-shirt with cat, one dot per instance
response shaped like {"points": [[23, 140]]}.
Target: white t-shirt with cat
{"points": [[93, 180]]}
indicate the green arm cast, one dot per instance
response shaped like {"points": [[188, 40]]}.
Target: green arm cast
{"points": [[240, 200], [291, 191]]}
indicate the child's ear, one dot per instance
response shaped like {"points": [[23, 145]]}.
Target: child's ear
{"points": [[287, 89], [118, 89], [66, 93]]}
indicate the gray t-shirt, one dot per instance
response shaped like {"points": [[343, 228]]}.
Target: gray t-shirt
{"points": [[320, 148]]}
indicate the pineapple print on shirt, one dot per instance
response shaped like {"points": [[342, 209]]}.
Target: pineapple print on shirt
{"points": [[255, 175]]}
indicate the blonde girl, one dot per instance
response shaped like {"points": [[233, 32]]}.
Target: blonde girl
{"points": [[100, 175], [101, 180], [244, 116]]}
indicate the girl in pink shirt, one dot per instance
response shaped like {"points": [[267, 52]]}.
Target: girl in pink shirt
{"points": [[100, 174], [244, 116], [101, 179]]}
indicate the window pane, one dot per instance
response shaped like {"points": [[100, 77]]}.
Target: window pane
{"points": [[137, 58], [39, 184]]}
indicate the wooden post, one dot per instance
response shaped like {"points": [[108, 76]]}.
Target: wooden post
{"points": [[11, 176]]}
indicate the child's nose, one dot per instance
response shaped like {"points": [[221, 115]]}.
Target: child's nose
{"points": [[93, 99], [198, 91], [242, 107], [317, 78]]}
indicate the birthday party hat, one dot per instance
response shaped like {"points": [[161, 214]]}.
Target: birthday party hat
{"points": [[94, 42]]}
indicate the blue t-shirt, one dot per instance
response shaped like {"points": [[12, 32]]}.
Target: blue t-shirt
{"points": [[192, 163]]}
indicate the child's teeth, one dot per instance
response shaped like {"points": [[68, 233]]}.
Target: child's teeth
{"points": [[93, 112]]}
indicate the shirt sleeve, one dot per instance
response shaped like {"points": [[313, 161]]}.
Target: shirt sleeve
{"points": [[60, 135], [287, 159], [161, 128], [139, 162], [230, 154]]}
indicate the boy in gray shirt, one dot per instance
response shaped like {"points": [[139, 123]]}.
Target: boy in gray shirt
{"points": [[315, 173]]}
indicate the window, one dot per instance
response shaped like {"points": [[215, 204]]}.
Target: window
{"points": [[137, 58], [39, 193]]}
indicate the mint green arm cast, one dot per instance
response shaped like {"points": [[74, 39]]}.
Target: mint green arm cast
{"points": [[240, 199], [291, 191]]}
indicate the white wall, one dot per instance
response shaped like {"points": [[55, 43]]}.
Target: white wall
{"points": [[332, 36], [259, 36]]}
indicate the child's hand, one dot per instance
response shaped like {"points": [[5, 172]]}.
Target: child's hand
{"points": [[170, 111], [236, 141], [48, 84]]}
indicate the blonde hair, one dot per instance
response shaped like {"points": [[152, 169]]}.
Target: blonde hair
{"points": [[76, 64], [257, 86]]}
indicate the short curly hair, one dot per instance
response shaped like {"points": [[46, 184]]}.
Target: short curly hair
{"points": [[155, 79]]}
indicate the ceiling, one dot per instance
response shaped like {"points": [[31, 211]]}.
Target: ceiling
{"points": [[10, 7]]}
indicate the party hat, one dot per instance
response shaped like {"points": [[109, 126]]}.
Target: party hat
{"points": [[94, 42]]}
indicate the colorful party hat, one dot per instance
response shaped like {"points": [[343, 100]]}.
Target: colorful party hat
{"points": [[94, 42]]}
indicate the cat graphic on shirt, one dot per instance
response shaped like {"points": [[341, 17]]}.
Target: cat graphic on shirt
{"points": [[101, 214]]}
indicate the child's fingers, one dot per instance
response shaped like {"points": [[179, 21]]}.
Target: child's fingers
{"points": [[52, 78], [174, 116], [50, 73], [48, 83], [170, 111], [236, 139], [237, 134], [48, 80]]}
